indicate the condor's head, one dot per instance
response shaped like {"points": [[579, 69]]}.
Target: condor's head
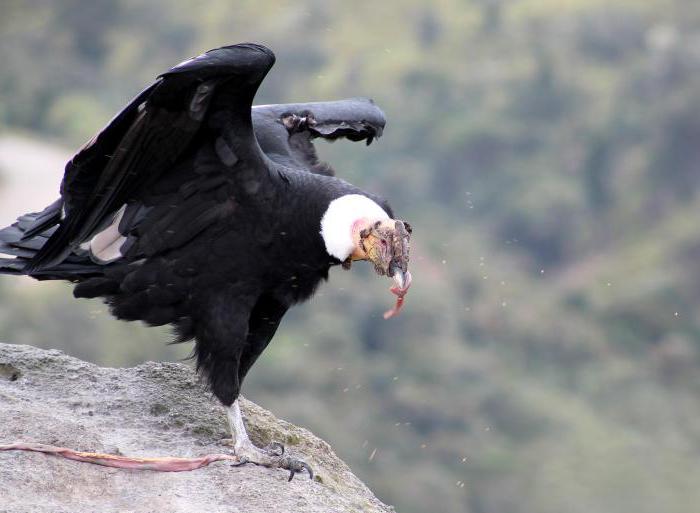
{"points": [[354, 227]]}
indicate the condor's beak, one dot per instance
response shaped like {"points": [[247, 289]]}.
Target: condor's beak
{"points": [[402, 280], [399, 279], [402, 283]]}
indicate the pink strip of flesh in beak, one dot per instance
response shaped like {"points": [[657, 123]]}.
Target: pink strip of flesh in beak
{"points": [[403, 282]]}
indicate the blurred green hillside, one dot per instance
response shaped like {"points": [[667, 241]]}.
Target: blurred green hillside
{"points": [[547, 154]]}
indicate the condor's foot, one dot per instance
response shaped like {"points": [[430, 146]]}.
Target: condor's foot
{"points": [[271, 456]]}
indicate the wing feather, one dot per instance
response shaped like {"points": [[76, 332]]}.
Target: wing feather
{"points": [[153, 133], [286, 132]]}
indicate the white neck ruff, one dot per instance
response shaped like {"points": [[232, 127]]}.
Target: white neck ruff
{"points": [[337, 222]]}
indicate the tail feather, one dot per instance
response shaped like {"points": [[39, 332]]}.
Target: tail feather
{"points": [[10, 234], [23, 253], [11, 266], [23, 240], [46, 222]]}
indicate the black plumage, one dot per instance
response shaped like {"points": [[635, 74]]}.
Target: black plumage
{"points": [[212, 208]]}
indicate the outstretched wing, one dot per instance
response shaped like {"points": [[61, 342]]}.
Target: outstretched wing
{"points": [[286, 132], [212, 92]]}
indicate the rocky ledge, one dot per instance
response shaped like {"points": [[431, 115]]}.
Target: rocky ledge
{"points": [[155, 409]]}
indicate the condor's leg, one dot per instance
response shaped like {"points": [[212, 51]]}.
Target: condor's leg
{"points": [[271, 456], [237, 328], [262, 325]]}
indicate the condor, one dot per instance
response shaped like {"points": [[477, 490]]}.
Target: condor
{"points": [[195, 209]]}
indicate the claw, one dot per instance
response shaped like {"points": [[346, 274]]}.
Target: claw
{"points": [[308, 469], [296, 466]]}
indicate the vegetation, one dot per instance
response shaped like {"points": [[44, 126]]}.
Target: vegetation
{"points": [[546, 154]]}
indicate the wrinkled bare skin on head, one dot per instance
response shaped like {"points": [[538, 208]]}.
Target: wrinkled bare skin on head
{"points": [[388, 248]]}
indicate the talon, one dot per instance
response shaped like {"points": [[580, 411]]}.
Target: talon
{"points": [[272, 456], [296, 466], [308, 469]]}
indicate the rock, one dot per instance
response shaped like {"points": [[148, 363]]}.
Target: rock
{"points": [[155, 409]]}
